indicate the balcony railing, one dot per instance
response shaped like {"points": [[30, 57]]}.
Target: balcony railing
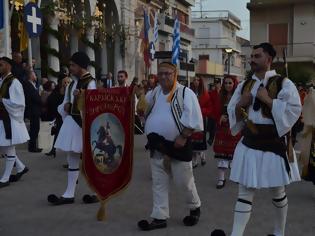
{"points": [[225, 15], [183, 27]]}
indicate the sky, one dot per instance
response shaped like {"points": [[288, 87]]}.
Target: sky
{"points": [[237, 7]]}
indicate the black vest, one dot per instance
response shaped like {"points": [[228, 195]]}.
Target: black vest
{"points": [[83, 83], [4, 115]]}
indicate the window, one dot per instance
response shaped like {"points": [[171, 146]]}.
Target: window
{"points": [[278, 36], [182, 16], [203, 57]]}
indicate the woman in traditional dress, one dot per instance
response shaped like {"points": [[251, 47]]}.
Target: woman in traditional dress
{"points": [[308, 136], [199, 138], [224, 143]]}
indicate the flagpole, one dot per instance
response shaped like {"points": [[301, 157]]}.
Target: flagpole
{"points": [[29, 48], [7, 48]]}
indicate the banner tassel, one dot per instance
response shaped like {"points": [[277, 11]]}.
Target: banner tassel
{"points": [[101, 216]]}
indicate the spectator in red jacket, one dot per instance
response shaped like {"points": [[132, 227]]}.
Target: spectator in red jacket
{"points": [[199, 138]]}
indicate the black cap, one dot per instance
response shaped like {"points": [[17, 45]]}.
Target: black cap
{"points": [[7, 60], [81, 59]]}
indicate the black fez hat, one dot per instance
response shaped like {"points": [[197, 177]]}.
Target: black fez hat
{"points": [[7, 60], [81, 59]]}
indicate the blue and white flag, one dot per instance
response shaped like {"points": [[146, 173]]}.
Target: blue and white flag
{"points": [[176, 42], [1, 14], [155, 29]]}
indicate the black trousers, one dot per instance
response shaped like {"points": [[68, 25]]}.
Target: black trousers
{"points": [[34, 130], [211, 127]]}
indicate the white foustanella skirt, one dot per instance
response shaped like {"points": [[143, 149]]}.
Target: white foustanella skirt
{"points": [[19, 133], [70, 136], [258, 169]]}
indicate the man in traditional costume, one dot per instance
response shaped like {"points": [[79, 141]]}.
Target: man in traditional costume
{"points": [[264, 107], [12, 127], [173, 115], [308, 136], [70, 138]]}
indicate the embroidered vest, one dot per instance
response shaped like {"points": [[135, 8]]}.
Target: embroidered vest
{"points": [[177, 105], [274, 85], [83, 83]]}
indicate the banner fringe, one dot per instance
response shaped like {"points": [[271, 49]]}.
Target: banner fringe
{"points": [[101, 216]]}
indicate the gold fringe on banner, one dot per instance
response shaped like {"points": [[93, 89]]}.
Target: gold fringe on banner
{"points": [[101, 215]]}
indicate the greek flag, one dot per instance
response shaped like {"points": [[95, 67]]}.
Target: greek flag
{"points": [[176, 42], [156, 28], [1, 14]]}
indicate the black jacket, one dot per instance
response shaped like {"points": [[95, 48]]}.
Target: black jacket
{"points": [[33, 103]]}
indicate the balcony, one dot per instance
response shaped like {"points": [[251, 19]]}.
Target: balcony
{"points": [[188, 3], [167, 24], [206, 67], [217, 15], [297, 52], [256, 4]]}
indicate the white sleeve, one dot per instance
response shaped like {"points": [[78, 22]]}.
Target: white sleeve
{"points": [[191, 117], [149, 96], [92, 85], [235, 126], [15, 106], [286, 108], [60, 108]]}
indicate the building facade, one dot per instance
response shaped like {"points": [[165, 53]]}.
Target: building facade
{"points": [[289, 25], [167, 11], [217, 47], [109, 31]]}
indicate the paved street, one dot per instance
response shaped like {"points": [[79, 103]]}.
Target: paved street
{"points": [[24, 209]]}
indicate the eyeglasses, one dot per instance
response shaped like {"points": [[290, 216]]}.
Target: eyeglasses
{"points": [[166, 74]]}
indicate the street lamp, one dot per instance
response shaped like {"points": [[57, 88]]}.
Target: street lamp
{"points": [[229, 51]]}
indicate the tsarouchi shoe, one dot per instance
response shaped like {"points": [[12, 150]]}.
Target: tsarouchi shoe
{"points": [[4, 184], [88, 199], [193, 217], [218, 232], [17, 176], [53, 199], [144, 225]]}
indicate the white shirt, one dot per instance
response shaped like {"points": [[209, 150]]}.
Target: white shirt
{"points": [[286, 108], [161, 120]]}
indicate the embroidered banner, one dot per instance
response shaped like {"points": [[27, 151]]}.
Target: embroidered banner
{"points": [[108, 141]]}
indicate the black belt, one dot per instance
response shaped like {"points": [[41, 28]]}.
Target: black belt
{"points": [[159, 143], [267, 140], [4, 116]]}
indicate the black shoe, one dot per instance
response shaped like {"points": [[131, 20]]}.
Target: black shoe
{"points": [[144, 225], [88, 199], [218, 232], [53, 199], [220, 184], [203, 162], [66, 166], [17, 176], [51, 153], [193, 217], [195, 165], [4, 184], [37, 150]]}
